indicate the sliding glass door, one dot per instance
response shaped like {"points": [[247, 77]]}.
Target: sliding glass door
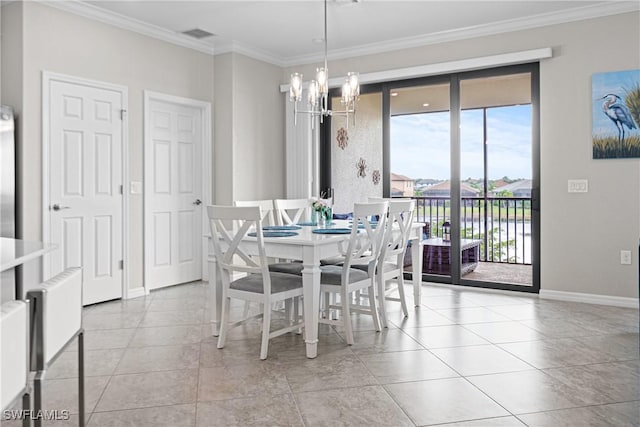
{"points": [[420, 161], [465, 147], [496, 179]]}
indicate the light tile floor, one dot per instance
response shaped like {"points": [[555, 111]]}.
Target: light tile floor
{"points": [[463, 357]]}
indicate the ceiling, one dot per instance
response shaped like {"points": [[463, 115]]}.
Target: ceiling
{"points": [[283, 32]]}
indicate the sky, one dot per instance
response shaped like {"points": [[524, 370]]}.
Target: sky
{"points": [[420, 144]]}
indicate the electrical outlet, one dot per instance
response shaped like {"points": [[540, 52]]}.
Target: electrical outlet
{"points": [[625, 257], [578, 186]]}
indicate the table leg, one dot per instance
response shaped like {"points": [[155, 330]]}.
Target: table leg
{"points": [[311, 286], [215, 296], [416, 257]]}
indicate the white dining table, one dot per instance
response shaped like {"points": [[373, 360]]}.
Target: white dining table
{"points": [[309, 248]]}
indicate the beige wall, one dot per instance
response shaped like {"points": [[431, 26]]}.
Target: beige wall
{"points": [[64, 43], [581, 234], [249, 129]]}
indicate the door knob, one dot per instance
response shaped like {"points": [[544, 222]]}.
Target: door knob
{"points": [[197, 202], [57, 207]]}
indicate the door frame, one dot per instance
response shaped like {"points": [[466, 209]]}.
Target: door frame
{"points": [[207, 162], [47, 78], [453, 79]]}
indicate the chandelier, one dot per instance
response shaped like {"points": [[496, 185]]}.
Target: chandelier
{"points": [[318, 91]]}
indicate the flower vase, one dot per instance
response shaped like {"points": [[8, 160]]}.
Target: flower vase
{"points": [[322, 220], [314, 217], [328, 214]]}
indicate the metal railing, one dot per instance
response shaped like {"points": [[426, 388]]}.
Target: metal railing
{"points": [[503, 224]]}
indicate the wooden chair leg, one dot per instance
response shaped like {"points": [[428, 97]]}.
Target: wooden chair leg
{"points": [[266, 326], [346, 318], [37, 397], [26, 406], [245, 311], [296, 313], [287, 311], [372, 305], [403, 300], [224, 320], [381, 300], [81, 391]]}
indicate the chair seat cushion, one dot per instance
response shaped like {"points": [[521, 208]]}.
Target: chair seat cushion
{"points": [[386, 267], [332, 275], [280, 282], [287, 267]]}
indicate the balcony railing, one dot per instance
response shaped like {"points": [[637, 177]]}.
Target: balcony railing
{"points": [[503, 224]]}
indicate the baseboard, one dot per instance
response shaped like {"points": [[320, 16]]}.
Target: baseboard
{"points": [[590, 298], [136, 292]]}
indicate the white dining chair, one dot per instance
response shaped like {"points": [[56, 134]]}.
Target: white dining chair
{"points": [[56, 320], [292, 211], [266, 207], [391, 262], [268, 218], [14, 356], [258, 285], [362, 249]]}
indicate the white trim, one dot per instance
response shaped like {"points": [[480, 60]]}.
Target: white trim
{"points": [[501, 27], [246, 50], [96, 13], [207, 162], [121, 21], [491, 61], [137, 292], [529, 295], [47, 78], [590, 298]]}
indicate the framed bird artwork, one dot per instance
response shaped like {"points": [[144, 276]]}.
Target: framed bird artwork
{"points": [[616, 114]]}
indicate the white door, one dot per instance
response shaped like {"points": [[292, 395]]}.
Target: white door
{"points": [[173, 192], [85, 177]]}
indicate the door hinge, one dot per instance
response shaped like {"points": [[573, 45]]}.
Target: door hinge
{"points": [[122, 113], [121, 264], [122, 189]]}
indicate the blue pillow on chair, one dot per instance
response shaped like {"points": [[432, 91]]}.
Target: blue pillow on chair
{"points": [[343, 216]]}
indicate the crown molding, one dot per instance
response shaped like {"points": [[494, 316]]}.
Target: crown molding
{"points": [[96, 13], [536, 21], [246, 50], [90, 11]]}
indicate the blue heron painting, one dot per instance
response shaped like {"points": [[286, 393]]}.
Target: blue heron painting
{"points": [[616, 114]]}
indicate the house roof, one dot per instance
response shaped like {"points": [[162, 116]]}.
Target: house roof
{"points": [[523, 184], [398, 177], [446, 185]]}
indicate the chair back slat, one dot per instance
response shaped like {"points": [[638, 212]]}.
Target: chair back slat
{"points": [[365, 243], [266, 209], [229, 225], [401, 213], [292, 211]]}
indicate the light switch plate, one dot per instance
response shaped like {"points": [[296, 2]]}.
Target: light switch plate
{"points": [[625, 257], [578, 186], [136, 187]]}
